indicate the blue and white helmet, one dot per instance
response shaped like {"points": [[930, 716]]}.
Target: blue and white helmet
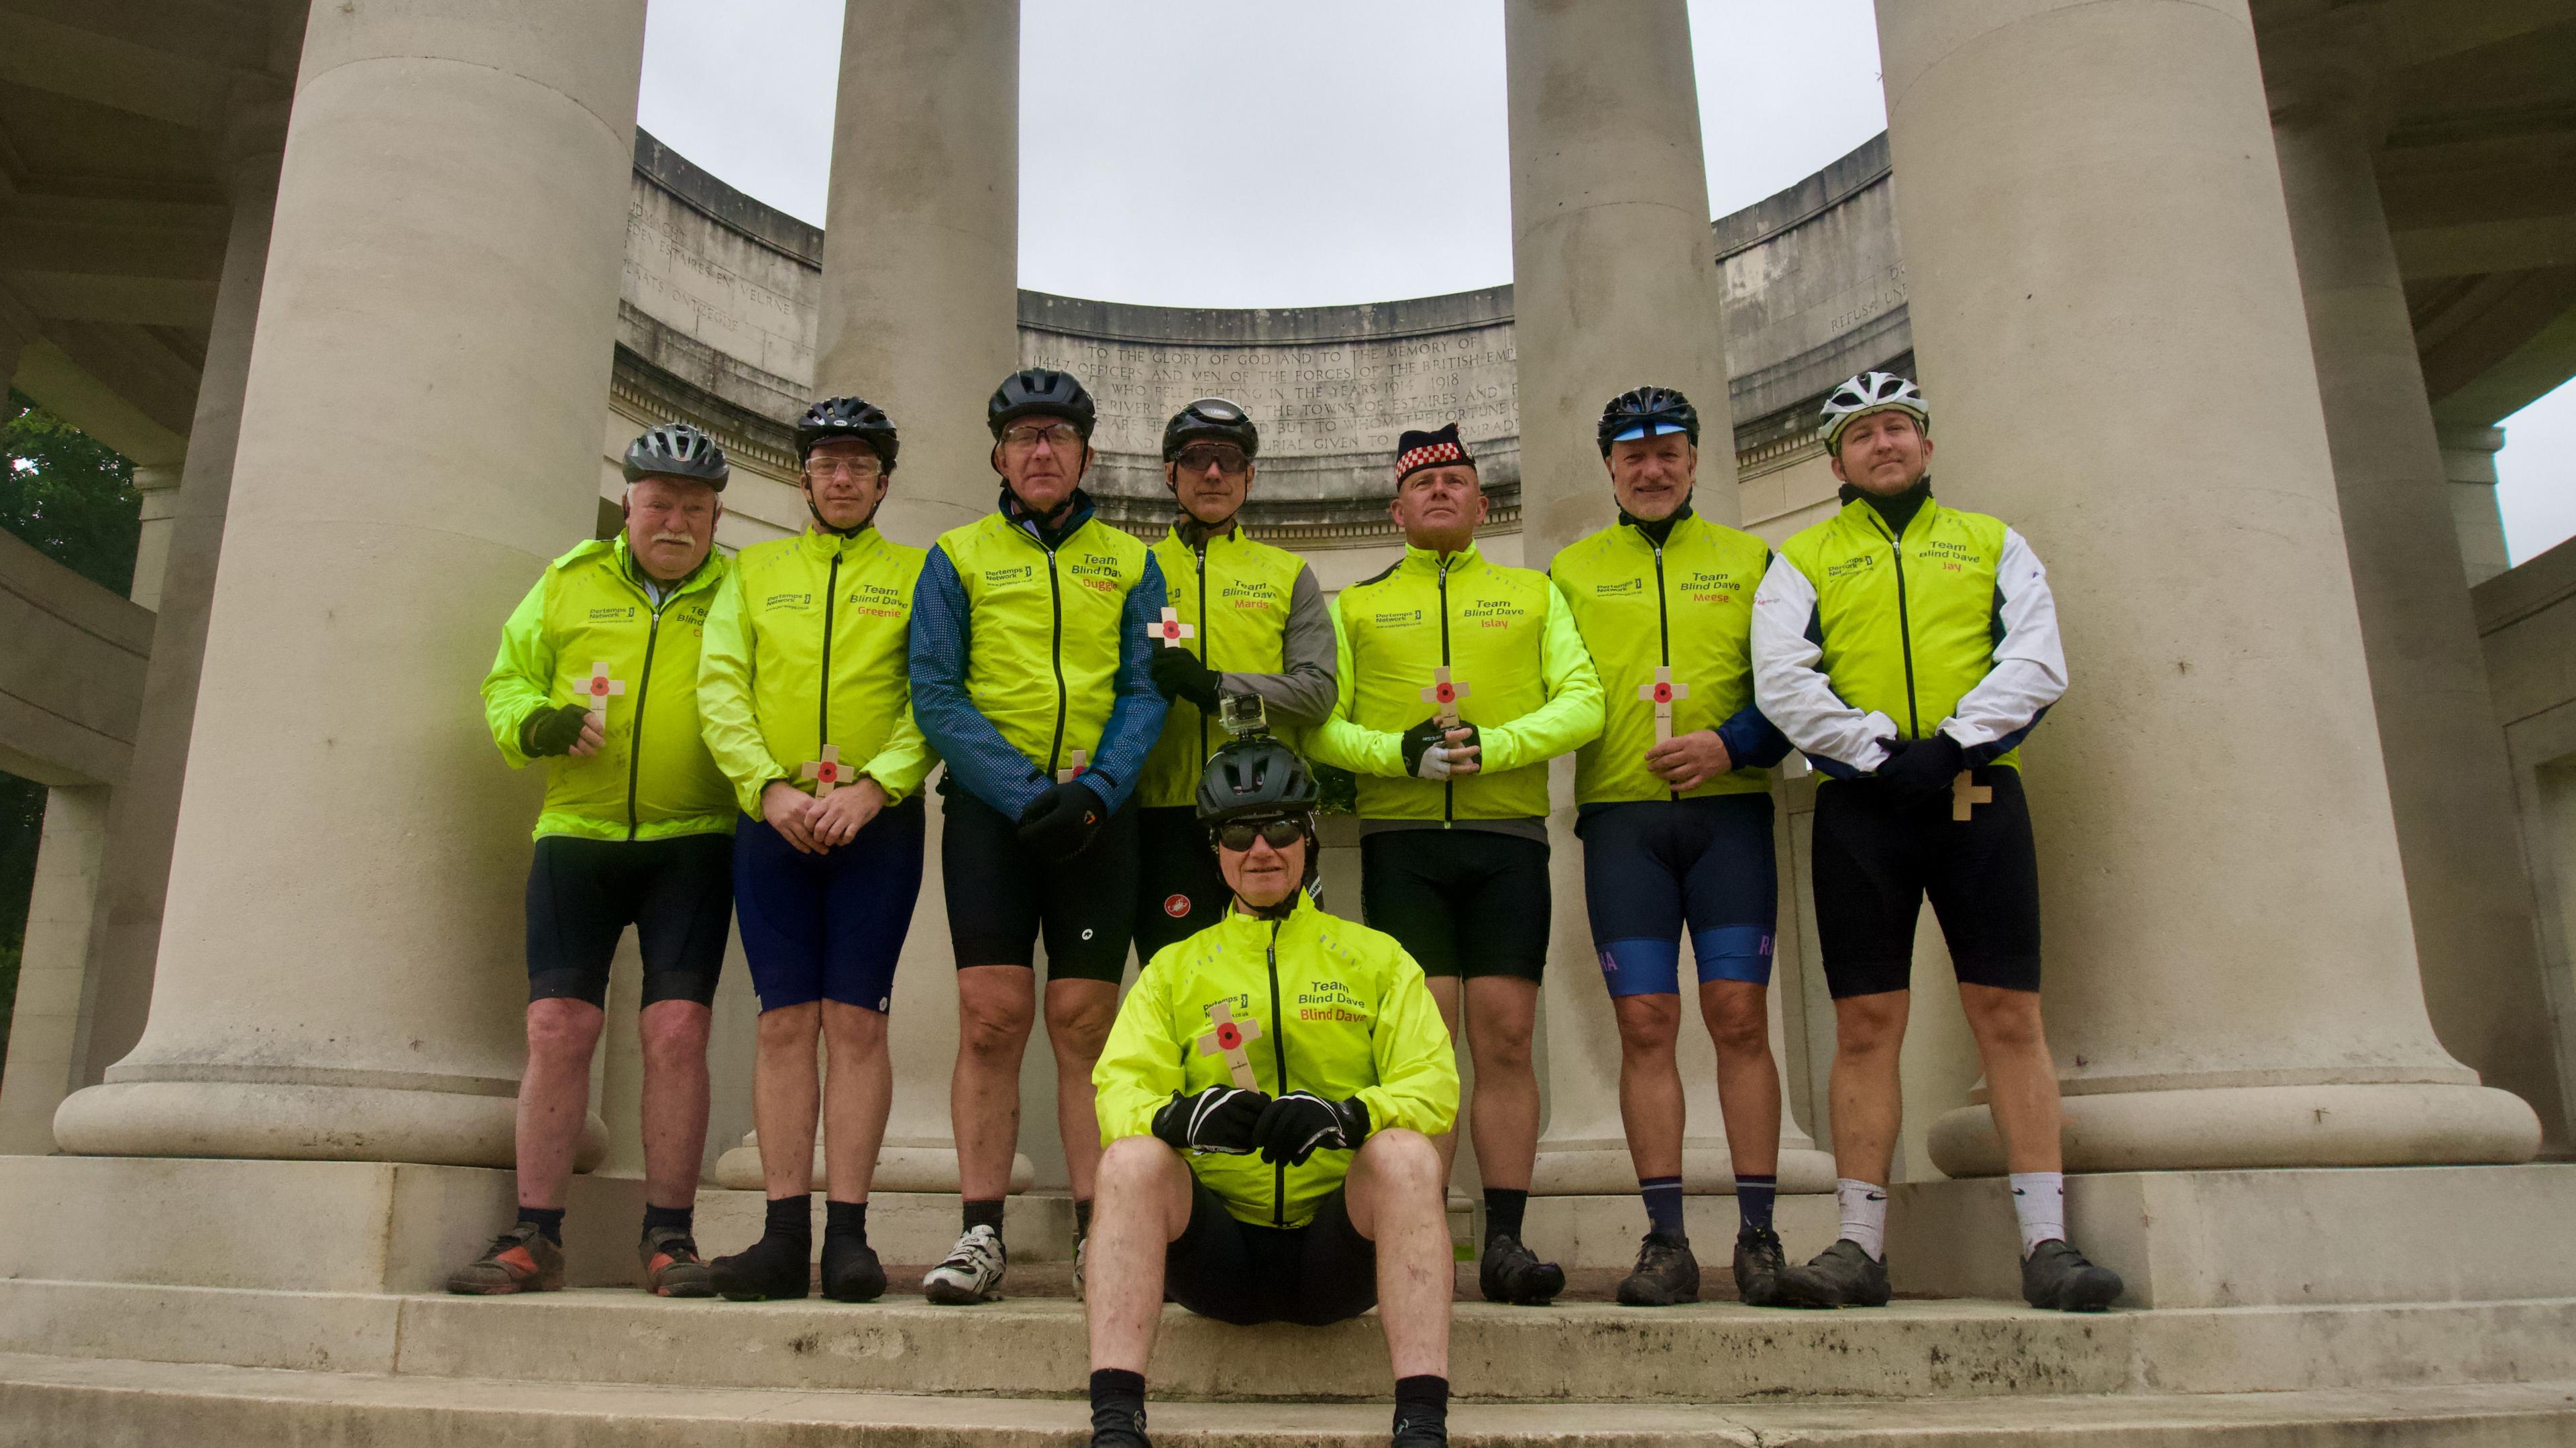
{"points": [[1872, 392]]}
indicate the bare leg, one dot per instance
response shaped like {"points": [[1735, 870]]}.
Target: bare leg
{"points": [[674, 1035], [996, 1004], [1650, 1084], [1142, 1208], [1397, 1201], [1868, 1102], [554, 1095], [1748, 1083], [1444, 993], [857, 1096], [1502, 1015], [2021, 1079], [786, 1093], [1078, 1015]]}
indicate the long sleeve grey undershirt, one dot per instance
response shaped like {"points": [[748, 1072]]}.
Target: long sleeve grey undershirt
{"points": [[1304, 692]]}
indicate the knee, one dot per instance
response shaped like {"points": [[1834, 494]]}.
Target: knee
{"points": [[1500, 1049], [1081, 1031], [1136, 1161], [992, 1028], [675, 1036], [788, 1027], [855, 1032], [562, 1030], [2006, 1019], [1740, 1029], [1868, 1026], [1649, 1024], [1406, 1161]]}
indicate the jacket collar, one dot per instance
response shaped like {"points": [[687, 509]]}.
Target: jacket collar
{"points": [[1189, 532], [627, 568], [817, 543], [1860, 508], [1459, 562], [1662, 530], [1075, 511]]}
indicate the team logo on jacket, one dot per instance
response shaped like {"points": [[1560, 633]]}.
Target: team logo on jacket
{"points": [[1176, 906], [1624, 585]]}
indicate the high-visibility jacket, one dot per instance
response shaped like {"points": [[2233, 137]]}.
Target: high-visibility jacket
{"points": [[1257, 616], [796, 612], [1029, 645], [1328, 1006], [590, 614], [1860, 636], [1504, 634], [1684, 604]]}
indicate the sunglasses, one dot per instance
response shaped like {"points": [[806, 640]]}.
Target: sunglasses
{"points": [[1280, 833]]}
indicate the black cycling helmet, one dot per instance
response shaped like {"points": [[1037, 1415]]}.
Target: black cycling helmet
{"points": [[1646, 411], [677, 450], [840, 417], [1210, 419], [1255, 776], [1040, 392]]}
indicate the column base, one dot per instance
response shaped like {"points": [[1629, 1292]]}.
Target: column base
{"points": [[899, 1169], [300, 1122], [1606, 1169], [2247, 1127]]}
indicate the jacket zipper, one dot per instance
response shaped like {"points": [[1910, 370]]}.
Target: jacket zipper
{"points": [[1055, 658], [831, 596], [643, 690], [1204, 643], [1663, 625], [1279, 1063], [1448, 787], [1904, 628]]}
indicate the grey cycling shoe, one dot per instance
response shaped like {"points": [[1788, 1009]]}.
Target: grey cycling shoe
{"points": [[2055, 1275], [1840, 1276]]}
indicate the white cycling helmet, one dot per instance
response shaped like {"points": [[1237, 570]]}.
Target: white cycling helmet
{"points": [[1872, 392]]}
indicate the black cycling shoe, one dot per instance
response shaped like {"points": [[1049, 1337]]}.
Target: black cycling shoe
{"points": [[1411, 1434], [773, 1269], [1119, 1428], [851, 1272], [1840, 1276], [2056, 1275], [1666, 1273], [1759, 1261], [1512, 1273]]}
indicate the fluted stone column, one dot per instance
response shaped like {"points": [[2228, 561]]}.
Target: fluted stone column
{"points": [[2458, 836], [1614, 284], [2469, 461], [2231, 976], [340, 974]]}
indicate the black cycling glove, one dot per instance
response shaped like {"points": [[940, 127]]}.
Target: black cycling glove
{"points": [[1922, 768], [1060, 823], [1178, 674], [552, 731], [1431, 734], [1301, 1123], [1220, 1118]]}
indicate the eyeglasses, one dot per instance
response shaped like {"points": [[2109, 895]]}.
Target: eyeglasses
{"points": [[866, 470], [1199, 457], [1280, 832], [1062, 436]]}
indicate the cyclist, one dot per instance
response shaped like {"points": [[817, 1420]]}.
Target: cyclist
{"points": [[1675, 818], [1267, 1097], [1458, 680], [1031, 677], [1248, 619], [807, 698], [1908, 649], [597, 676]]}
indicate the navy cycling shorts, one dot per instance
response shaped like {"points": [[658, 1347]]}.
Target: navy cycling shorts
{"points": [[1653, 866], [828, 926]]}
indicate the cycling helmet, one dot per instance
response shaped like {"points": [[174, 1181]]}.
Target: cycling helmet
{"points": [[677, 450], [1646, 411], [1210, 419], [1255, 776], [1872, 392], [840, 417], [1040, 392]]}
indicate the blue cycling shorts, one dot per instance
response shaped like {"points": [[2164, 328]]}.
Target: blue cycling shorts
{"points": [[828, 926], [1652, 867]]}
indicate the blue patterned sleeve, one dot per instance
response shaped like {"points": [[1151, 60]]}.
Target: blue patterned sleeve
{"points": [[1752, 741], [1136, 720], [975, 751]]}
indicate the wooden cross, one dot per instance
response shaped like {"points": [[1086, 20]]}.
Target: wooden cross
{"points": [[1081, 762], [600, 689], [1661, 694], [1444, 694], [1171, 630], [1966, 794], [828, 773], [1230, 1036]]}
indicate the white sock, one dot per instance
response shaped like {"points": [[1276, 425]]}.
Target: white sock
{"points": [[2039, 1199], [1864, 1207]]}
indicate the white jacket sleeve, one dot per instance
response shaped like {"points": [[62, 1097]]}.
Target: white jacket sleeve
{"points": [[2029, 672], [1792, 689]]}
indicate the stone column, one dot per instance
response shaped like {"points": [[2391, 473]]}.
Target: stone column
{"points": [[159, 486], [2469, 461], [2232, 976], [45, 1021], [1614, 284], [340, 974], [180, 568], [2458, 838]]}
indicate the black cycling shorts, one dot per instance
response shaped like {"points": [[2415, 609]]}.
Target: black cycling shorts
{"points": [[1652, 867], [582, 894], [1877, 857], [1461, 902], [1321, 1273], [1001, 898], [1180, 891]]}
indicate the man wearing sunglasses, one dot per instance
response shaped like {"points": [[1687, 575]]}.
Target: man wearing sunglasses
{"points": [[1458, 680], [806, 694], [1248, 619], [1268, 1098], [1031, 676]]}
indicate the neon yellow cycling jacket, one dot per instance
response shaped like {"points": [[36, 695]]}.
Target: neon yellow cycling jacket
{"points": [[1257, 616]]}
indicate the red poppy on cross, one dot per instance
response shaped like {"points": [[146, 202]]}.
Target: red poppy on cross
{"points": [[1171, 630], [1230, 1036], [1443, 694], [828, 772], [1661, 694], [1077, 765], [600, 690]]}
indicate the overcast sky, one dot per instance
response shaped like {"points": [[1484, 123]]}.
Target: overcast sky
{"points": [[1329, 151]]}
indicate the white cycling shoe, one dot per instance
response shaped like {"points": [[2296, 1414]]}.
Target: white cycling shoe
{"points": [[973, 1271]]}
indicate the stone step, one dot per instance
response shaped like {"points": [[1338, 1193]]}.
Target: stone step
{"points": [[55, 1401], [1706, 1353]]}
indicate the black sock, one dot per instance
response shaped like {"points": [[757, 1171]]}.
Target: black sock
{"points": [[1754, 1196], [1081, 1219], [1503, 1208], [680, 1219], [845, 1219], [984, 1214], [1117, 1399], [549, 1221], [790, 1217], [1422, 1401], [1663, 1204]]}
